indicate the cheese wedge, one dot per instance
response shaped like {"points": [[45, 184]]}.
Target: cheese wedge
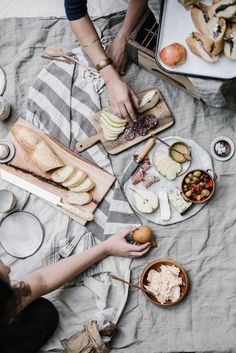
{"points": [[177, 200], [164, 206]]}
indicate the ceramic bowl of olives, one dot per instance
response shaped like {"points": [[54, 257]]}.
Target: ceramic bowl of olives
{"points": [[198, 185]]}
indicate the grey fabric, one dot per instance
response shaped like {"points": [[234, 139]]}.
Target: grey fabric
{"points": [[205, 244]]}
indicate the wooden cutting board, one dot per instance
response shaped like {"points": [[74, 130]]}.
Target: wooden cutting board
{"points": [[161, 111], [30, 172]]}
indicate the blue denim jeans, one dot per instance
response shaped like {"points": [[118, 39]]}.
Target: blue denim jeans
{"points": [[31, 330]]}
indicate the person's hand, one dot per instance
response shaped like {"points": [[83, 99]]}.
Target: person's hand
{"points": [[117, 51], [118, 246], [122, 99]]}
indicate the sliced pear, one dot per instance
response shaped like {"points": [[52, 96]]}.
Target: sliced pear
{"points": [[113, 118], [149, 101], [116, 129], [111, 122], [146, 201]]}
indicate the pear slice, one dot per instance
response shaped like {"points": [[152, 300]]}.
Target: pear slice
{"points": [[111, 122], [111, 128], [146, 201], [149, 101], [113, 118]]}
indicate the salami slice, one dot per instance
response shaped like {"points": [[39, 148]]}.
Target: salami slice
{"points": [[143, 131], [129, 133], [150, 121]]}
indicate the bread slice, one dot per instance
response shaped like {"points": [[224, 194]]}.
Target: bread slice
{"points": [[86, 185], [45, 158], [78, 198], [62, 174], [201, 46], [230, 42], [75, 179], [223, 8], [216, 28]]}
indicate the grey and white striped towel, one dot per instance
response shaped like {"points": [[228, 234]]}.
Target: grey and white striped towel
{"points": [[61, 102]]}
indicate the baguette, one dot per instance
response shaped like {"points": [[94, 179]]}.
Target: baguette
{"points": [[37, 149], [201, 46], [230, 42], [223, 8], [78, 198], [45, 158]]}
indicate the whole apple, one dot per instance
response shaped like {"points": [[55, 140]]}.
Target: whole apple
{"points": [[173, 55]]}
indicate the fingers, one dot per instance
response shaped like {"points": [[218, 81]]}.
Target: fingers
{"points": [[138, 248], [135, 99], [125, 113], [130, 110], [126, 231], [135, 254]]}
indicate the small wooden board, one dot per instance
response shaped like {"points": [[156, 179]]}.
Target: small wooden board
{"points": [[161, 111], [101, 178]]}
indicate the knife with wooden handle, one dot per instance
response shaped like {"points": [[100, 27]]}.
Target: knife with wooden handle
{"points": [[45, 195], [135, 161]]}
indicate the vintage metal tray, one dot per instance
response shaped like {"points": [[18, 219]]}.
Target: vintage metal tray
{"points": [[175, 25]]}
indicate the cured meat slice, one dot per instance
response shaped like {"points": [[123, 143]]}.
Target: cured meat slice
{"points": [[129, 133], [150, 179], [150, 121], [137, 176], [143, 131]]}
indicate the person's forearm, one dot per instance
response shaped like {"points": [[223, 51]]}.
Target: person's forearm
{"points": [[53, 276], [134, 13]]}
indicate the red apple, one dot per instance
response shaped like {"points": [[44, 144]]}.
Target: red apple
{"points": [[173, 55]]}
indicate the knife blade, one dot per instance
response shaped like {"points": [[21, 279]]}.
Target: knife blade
{"points": [[45, 195], [135, 161]]}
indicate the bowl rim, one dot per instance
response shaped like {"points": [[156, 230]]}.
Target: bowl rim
{"points": [[213, 178], [189, 149], [171, 263]]}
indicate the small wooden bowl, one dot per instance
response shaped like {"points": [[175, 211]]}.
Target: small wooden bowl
{"points": [[155, 265], [211, 174]]}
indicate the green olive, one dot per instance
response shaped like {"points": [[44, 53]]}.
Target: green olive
{"points": [[195, 178], [190, 175], [205, 192], [187, 180], [197, 173], [201, 183], [188, 193]]}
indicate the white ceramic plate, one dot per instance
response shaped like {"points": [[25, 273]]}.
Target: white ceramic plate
{"points": [[223, 139], [21, 234], [175, 25], [200, 160], [3, 81]]}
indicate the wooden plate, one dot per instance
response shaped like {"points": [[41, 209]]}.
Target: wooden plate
{"points": [[155, 265]]}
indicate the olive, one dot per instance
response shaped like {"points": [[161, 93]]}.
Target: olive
{"points": [[201, 183], [188, 193], [185, 187], [205, 192], [187, 180], [197, 173], [195, 178], [190, 175]]}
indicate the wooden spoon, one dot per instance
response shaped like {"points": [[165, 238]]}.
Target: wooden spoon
{"points": [[58, 53], [185, 155], [130, 284]]}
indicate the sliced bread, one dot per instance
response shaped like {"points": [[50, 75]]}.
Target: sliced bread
{"points": [[62, 174], [75, 179], [78, 198], [86, 185]]}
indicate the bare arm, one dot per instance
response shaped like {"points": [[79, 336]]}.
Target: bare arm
{"points": [[51, 277], [117, 50]]}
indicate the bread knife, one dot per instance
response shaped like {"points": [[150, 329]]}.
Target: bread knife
{"points": [[45, 195], [136, 160]]}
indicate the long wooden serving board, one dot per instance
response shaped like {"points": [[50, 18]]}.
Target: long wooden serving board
{"points": [[22, 166], [161, 111]]}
